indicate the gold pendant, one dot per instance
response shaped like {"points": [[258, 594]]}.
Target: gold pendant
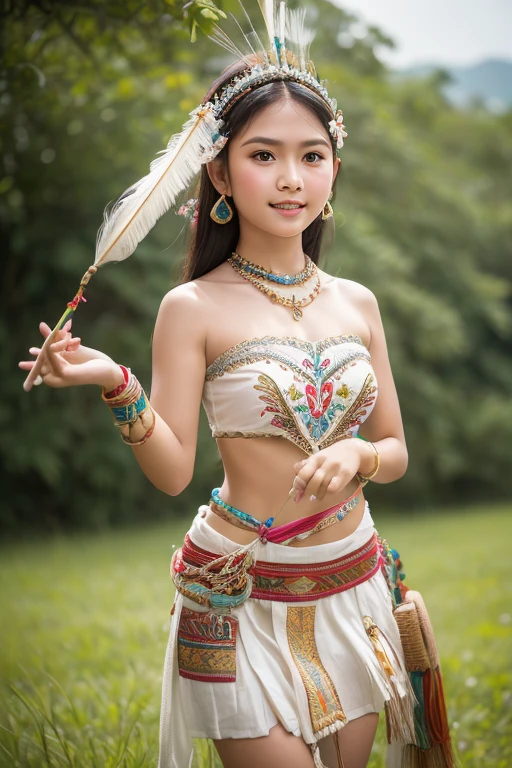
{"points": [[297, 312]]}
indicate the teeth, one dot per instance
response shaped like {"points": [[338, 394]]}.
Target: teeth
{"points": [[287, 206]]}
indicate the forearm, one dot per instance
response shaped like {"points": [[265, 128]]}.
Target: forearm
{"points": [[159, 453], [163, 459], [393, 459]]}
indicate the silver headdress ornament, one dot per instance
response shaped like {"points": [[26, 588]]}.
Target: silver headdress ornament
{"points": [[128, 221]]}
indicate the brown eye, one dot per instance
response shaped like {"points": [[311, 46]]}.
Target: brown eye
{"points": [[315, 155], [264, 156]]}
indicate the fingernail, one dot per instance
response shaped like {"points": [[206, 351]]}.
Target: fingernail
{"points": [[299, 496], [312, 498]]}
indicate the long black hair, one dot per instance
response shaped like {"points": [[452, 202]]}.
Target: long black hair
{"points": [[211, 243]]}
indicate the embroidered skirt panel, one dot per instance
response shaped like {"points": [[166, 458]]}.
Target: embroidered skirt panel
{"points": [[311, 664]]}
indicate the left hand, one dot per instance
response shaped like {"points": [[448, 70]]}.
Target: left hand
{"points": [[327, 471]]}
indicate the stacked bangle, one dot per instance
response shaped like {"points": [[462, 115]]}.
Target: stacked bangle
{"points": [[131, 409], [365, 478]]}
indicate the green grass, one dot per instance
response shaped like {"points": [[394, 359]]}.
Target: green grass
{"points": [[84, 621]]}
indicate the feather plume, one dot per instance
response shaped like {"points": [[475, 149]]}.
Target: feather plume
{"points": [[246, 37], [252, 35], [268, 13], [139, 208], [281, 25], [221, 38], [298, 34]]}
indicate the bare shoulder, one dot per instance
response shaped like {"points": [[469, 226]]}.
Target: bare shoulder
{"points": [[182, 298], [181, 314], [357, 293]]}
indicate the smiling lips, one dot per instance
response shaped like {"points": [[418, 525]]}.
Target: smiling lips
{"points": [[288, 207]]}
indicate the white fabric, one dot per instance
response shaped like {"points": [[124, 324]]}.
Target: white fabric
{"points": [[311, 393], [268, 687]]}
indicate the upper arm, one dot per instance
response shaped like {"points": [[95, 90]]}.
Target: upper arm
{"points": [[179, 366], [385, 419]]}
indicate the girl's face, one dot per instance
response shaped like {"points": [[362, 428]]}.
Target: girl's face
{"points": [[282, 157]]}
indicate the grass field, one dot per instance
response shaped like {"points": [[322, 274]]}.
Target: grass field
{"points": [[84, 621]]}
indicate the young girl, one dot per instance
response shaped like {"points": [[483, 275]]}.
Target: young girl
{"points": [[283, 646]]}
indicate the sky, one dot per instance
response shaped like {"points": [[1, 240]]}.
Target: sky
{"points": [[439, 31]]}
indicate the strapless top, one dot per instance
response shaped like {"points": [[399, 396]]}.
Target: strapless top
{"points": [[312, 393]]}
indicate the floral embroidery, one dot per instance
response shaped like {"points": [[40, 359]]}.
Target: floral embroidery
{"points": [[354, 414], [317, 410], [315, 402], [283, 417]]}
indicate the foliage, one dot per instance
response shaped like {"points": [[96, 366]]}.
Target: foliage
{"points": [[85, 622], [88, 94]]}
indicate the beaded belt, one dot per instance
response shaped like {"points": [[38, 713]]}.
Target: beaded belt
{"points": [[285, 582]]}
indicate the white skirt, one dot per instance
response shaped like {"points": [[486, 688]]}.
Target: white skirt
{"points": [[331, 677]]}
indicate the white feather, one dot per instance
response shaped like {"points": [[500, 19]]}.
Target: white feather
{"points": [[252, 35], [222, 38], [282, 33], [245, 37], [139, 208], [298, 34], [267, 11]]}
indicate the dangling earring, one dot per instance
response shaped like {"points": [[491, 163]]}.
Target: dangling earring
{"points": [[221, 211], [327, 211]]}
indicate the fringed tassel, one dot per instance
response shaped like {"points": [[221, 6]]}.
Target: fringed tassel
{"points": [[431, 746], [399, 706], [415, 757], [399, 718]]}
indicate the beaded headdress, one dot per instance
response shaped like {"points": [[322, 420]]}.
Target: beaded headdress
{"points": [[127, 222]]}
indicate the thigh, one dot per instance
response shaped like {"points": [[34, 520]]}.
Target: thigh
{"points": [[280, 749], [355, 742]]}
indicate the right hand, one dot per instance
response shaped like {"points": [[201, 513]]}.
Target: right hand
{"points": [[68, 363]]}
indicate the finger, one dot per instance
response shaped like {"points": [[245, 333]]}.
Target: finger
{"points": [[315, 487], [323, 486], [59, 346], [304, 476], [41, 358], [74, 344], [34, 350], [26, 365], [63, 334], [306, 472], [54, 361], [336, 484], [45, 329]]}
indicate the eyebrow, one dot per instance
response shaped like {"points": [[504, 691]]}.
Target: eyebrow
{"points": [[277, 143]]}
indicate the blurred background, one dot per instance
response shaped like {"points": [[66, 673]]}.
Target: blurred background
{"points": [[89, 93]]}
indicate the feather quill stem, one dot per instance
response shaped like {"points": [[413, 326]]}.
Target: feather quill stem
{"points": [[140, 206]]}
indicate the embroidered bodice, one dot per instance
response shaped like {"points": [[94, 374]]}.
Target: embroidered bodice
{"points": [[312, 393]]}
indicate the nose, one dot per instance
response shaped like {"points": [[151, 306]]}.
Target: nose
{"points": [[290, 178]]}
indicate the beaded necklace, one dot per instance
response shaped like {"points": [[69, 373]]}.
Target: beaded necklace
{"points": [[253, 269], [292, 285]]}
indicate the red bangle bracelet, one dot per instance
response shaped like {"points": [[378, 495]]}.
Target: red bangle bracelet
{"points": [[117, 391]]}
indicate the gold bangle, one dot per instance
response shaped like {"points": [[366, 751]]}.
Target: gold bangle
{"points": [[137, 432], [132, 412], [364, 478]]}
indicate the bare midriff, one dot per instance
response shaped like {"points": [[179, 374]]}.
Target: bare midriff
{"points": [[258, 475]]}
